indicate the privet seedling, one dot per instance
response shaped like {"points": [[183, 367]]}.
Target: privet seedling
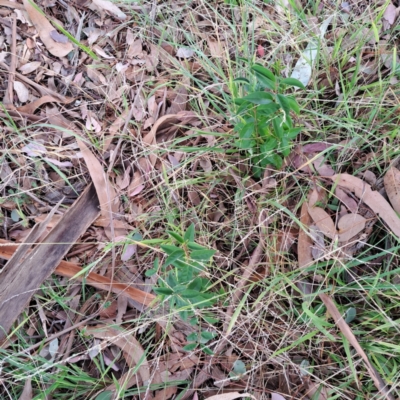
{"points": [[265, 127], [180, 281]]}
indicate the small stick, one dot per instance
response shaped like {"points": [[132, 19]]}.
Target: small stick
{"points": [[11, 72]]}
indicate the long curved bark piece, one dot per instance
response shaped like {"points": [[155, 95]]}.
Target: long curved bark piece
{"points": [[69, 270]]}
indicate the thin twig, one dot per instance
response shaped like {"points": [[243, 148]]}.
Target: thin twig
{"points": [[13, 65]]}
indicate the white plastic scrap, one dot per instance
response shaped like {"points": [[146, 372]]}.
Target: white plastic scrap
{"points": [[303, 68]]}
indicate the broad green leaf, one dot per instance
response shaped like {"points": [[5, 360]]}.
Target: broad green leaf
{"points": [[291, 82], [208, 335], [196, 284], [268, 109], [189, 347], [176, 255], [259, 98], [171, 280], [177, 237], [210, 320], [268, 145], [202, 255], [246, 140], [192, 337], [162, 290], [239, 101], [292, 133], [277, 161], [170, 249], [241, 80], [278, 129], [264, 71], [195, 246], [189, 234], [184, 315], [150, 272], [189, 294], [351, 313], [293, 104], [285, 147], [283, 101], [264, 82], [207, 350]]}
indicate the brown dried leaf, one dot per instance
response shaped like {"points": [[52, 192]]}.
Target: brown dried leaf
{"points": [[230, 396], [390, 14], [349, 226], [371, 198], [392, 187], [27, 393], [133, 353], [22, 91], [30, 67], [109, 201], [44, 28], [304, 245], [31, 107], [350, 203], [110, 7], [382, 387], [320, 217]]}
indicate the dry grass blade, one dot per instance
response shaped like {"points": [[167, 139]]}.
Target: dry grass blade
{"points": [[348, 333]]}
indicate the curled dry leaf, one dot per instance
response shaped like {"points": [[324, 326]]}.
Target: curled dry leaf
{"points": [[342, 196], [30, 67], [22, 91], [31, 107], [133, 353], [109, 201], [44, 28], [320, 217], [110, 7], [371, 198], [392, 187], [230, 396], [349, 226]]}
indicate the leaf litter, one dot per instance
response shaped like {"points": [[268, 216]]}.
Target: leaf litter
{"points": [[119, 109]]}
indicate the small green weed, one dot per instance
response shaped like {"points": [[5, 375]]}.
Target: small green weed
{"points": [[200, 339], [182, 285], [264, 126]]}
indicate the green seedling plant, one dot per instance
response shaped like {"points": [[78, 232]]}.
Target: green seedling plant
{"points": [[199, 340], [264, 125], [180, 282]]}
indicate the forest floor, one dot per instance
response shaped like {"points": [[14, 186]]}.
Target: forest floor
{"points": [[200, 275]]}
